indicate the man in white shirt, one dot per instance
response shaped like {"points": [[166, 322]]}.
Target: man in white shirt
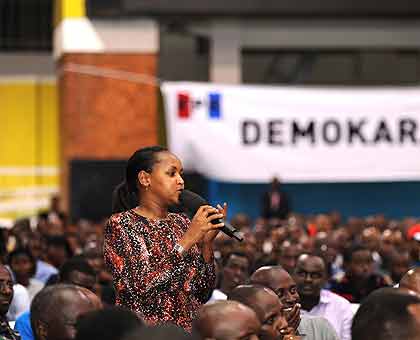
{"points": [[310, 276]]}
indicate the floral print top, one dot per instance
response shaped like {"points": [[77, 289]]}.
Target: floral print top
{"points": [[150, 277]]}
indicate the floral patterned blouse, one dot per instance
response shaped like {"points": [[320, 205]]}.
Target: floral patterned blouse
{"points": [[149, 276]]}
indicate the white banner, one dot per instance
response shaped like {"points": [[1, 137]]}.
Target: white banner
{"points": [[300, 134]]}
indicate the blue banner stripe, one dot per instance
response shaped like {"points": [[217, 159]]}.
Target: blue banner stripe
{"points": [[214, 105]]}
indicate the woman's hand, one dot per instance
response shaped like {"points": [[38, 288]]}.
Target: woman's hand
{"points": [[201, 225], [211, 235]]}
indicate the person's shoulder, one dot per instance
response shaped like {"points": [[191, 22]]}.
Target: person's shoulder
{"points": [[19, 290], [306, 325], [121, 218], [23, 318], [118, 222], [44, 266], [335, 298], [217, 295], [315, 321], [312, 319], [318, 326], [36, 283], [119, 215], [323, 324]]}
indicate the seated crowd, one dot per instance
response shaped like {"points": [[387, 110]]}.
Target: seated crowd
{"points": [[301, 277]]}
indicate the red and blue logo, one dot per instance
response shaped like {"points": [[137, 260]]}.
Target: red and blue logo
{"points": [[187, 105]]}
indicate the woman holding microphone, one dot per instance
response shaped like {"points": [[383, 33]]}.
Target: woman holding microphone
{"points": [[162, 263]]}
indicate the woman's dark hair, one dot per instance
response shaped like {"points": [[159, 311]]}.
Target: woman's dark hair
{"points": [[123, 199], [142, 160], [124, 196]]}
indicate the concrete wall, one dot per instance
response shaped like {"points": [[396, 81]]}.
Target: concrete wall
{"points": [[16, 64]]}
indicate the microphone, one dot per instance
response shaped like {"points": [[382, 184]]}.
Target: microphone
{"points": [[192, 202]]}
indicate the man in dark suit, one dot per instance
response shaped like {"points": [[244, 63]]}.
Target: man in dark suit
{"points": [[275, 203]]}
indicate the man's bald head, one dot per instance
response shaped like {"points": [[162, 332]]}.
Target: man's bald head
{"points": [[313, 259], [227, 320], [266, 305], [268, 276], [411, 280], [55, 309], [255, 297]]}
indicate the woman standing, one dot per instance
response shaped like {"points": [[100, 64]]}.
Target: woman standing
{"points": [[162, 263]]}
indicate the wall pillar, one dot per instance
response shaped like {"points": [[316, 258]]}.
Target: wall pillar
{"points": [[225, 58], [107, 87]]}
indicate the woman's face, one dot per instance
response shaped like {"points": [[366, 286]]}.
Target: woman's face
{"points": [[166, 181]]}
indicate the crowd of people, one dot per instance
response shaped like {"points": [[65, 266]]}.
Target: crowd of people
{"points": [[293, 277]]}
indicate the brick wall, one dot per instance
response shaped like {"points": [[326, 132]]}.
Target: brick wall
{"points": [[104, 118]]}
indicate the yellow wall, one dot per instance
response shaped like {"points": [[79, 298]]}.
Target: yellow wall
{"points": [[29, 145], [68, 9]]}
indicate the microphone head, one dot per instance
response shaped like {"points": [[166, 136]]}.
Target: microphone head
{"points": [[191, 201]]}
